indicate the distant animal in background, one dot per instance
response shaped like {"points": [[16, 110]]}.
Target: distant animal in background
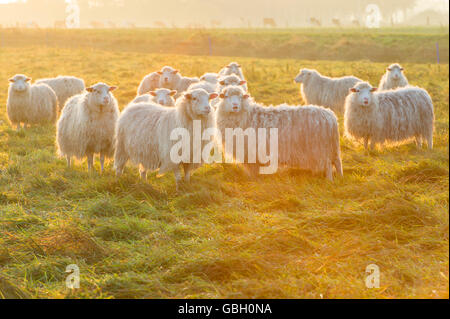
{"points": [[393, 78], [64, 87], [315, 22], [159, 24], [336, 22], [269, 22]]}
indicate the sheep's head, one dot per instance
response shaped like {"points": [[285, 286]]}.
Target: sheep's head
{"points": [[233, 99], [233, 68], [363, 93], [163, 96], [303, 75], [212, 78], [395, 72], [231, 80], [20, 82], [99, 95], [168, 76], [198, 101]]}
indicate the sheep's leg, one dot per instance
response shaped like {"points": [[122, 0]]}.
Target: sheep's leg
{"points": [[187, 173], [338, 166], [430, 140], [372, 145], [143, 172], [177, 174], [68, 161], [102, 162], [366, 143], [329, 171], [18, 127], [419, 141], [90, 159]]}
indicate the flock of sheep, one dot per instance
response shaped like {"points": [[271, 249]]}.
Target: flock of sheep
{"points": [[308, 136]]}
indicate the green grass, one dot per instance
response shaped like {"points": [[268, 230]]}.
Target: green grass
{"points": [[288, 235]]}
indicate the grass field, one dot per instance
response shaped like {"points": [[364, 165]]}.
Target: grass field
{"points": [[289, 235]]}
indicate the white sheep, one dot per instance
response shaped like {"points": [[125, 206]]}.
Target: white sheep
{"points": [[234, 68], [143, 133], [321, 90], [308, 136], [87, 123], [149, 83], [30, 104], [64, 87], [393, 78], [208, 82], [160, 96], [172, 79], [388, 116], [231, 79]]}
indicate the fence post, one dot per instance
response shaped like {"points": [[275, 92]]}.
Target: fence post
{"points": [[210, 45], [437, 55]]}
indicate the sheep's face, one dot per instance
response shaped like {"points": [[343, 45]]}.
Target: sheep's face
{"points": [[167, 77], [363, 93], [233, 68], [233, 99], [198, 100], [231, 80], [100, 95], [20, 82], [212, 78], [303, 76], [395, 72], [164, 96]]}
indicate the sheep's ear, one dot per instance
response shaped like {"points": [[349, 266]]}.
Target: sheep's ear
{"points": [[246, 96], [12, 80], [222, 96], [202, 78], [27, 79], [222, 82], [373, 89], [153, 93], [112, 88], [388, 69], [242, 82], [90, 89], [401, 69], [238, 65], [175, 71], [188, 96], [228, 66], [159, 72], [352, 90], [213, 96], [173, 92]]}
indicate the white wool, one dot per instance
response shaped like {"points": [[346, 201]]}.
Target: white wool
{"points": [[393, 78], [64, 87], [30, 104], [160, 96], [321, 90], [149, 83], [230, 69], [389, 116], [172, 79]]}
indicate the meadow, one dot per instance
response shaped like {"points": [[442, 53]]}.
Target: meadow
{"points": [[288, 235]]}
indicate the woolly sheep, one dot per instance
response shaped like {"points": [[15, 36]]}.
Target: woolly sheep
{"points": [[393, 78], [30, 104], [233, 68], [308, 136], [143, 133], [160, 96], [149, 83], [64, 87], [388, 116], [87, 124], [231, 79], [172, 79], [321, 90], [208, 82]]}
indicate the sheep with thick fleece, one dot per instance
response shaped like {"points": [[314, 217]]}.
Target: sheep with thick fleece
{"points": [[172, 79], [308, 136], [321, 90], [388, 116], [143, 133], [65, 87], [87, 124], [163, 97], [208, 82], [149, 83], [233, 68], [231, 79], [393, 78], [30, 104]]}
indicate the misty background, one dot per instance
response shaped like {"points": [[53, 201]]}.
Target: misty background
{"points": [[223, 13]]}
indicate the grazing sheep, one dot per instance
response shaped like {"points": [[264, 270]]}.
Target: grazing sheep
{"points": [[392, 116], [308, 136], [172, 79], [163, 97], [30, 104], [233, 68], [324, 91], [149, 83], [87, 124], [143, 133], [393, 78], [64, 87]]}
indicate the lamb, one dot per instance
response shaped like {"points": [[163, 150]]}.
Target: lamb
{"points": [[30, 104], [321, 90], [87, 124], [393, 78], [172, 79], [64, 87], [388, 116], [149, 83], [208, 82], [233, 68], [308, 136], [143, 133], [160, 96]]}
